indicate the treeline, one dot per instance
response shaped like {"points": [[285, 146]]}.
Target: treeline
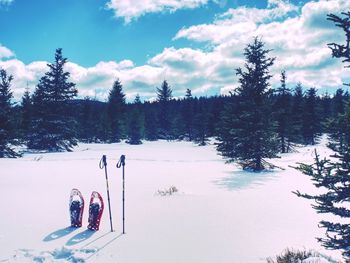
{"points": [[53, 119]]}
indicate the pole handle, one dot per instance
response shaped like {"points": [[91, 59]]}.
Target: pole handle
{"points": [[103, 162], [121, 161]]}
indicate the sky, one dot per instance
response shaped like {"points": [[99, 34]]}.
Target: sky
{"points": [[195, 44]]}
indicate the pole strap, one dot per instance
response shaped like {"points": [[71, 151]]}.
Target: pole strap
{"points": [[121, 161], [103, 162]]}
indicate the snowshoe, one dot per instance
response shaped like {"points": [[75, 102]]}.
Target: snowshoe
{"points": [[76, 208], [95, 211]]}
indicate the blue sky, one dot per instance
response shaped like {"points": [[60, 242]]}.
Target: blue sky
{"points": [[194, 44]]}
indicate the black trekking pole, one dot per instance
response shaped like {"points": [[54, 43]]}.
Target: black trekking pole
{"points": [[103, 164], [120, 163]]}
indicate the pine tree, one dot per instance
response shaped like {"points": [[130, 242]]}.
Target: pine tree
{"points": [[247, 129], [296, 115], [26, 114], [6, 122], [187, 115], [283, 114], [341, 50], [151, 122], [53, 126], [310, 120], [89, 118], [338, 102], [135, 123], [200, 123], [164, 96], [116, 112], [333, 177]]}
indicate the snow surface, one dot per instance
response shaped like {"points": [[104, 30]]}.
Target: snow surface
{"points": [[219, 213]]}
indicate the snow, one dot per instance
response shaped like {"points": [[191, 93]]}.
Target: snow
{"points": [[219, 213]]}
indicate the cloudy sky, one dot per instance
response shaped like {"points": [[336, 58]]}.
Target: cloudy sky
{"points": [[195, 44]]}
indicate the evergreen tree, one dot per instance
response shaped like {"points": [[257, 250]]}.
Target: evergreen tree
{"points": [[200, 124], [164, 96], [53, 126], [116, 112], [296, 115], [333, 175], [311, 123], [247, 133], [135, 123], [341, 50], [333, 178], [338, 102], [88, 120], [283, 115], [26, 114], [187, 115], [151, 123], [326, 105], [7, 138]]}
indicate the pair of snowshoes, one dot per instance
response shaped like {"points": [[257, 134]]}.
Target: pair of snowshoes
{"points": [[76, 208]]}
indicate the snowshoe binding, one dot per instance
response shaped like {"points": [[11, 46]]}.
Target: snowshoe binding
{"points": [[95, 211], [76, 208]]}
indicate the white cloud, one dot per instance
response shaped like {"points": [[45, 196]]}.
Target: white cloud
{"points": [[132, 9], [6, 2], [298, 42], [5, 52], [236, 22]]}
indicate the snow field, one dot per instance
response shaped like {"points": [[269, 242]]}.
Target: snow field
{"points": [[220, 213]]}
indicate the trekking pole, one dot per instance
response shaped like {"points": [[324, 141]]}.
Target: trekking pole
{"points": [[120, 163], [103, 164]]}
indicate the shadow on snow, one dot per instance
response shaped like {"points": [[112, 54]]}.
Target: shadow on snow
{"points": [[59, 233], [80, 237], [239, 180]]}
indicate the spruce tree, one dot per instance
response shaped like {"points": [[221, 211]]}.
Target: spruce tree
{"points": [[116, 112], [283, 114], [310, 120], [7, 138], [135, 123], [200, 123], [188, 115], [246, 133], [297, 105], [53, 127], [338, 102], [151, 122], [332, 176], [164, 96], [26, 114]]}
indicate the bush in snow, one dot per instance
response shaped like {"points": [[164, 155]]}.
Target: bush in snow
{"points": [[168, 191], [300, 256], [290, 256]]}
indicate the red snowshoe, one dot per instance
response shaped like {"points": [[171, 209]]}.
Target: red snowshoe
{"points": [[76, 208], [95, 211]]}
